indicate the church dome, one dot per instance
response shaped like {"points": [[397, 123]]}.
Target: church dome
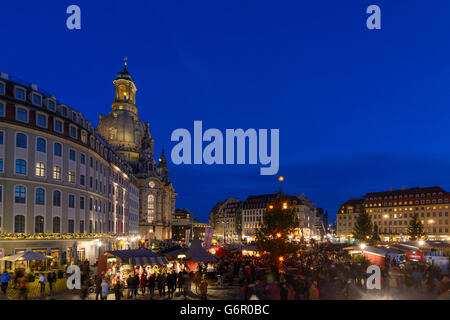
{"points": [[122, 129]]}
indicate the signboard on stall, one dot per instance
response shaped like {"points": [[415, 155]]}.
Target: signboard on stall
{"points": [[414, 256]]}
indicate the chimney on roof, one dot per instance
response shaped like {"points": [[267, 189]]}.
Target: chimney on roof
{"points": [[390, 189], [403, 188]]}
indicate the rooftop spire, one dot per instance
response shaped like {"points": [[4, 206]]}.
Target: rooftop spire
{"points": [[124, 74]]}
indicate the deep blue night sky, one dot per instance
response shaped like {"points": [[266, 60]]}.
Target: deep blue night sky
{"points": [[358, 110]]}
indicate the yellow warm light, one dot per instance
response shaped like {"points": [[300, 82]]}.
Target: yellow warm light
{"points": [[281, 178], [271, 207], [278, 235], [281, 258]]}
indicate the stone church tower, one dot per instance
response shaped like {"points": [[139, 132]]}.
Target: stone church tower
{"points": [[125, 131]]}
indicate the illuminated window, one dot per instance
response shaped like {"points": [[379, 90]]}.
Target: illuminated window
{"points": [[40, 169], [71, 176], [57, 173], [150, 208]]}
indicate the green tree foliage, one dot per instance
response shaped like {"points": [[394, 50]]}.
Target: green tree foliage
{"points": [[278, 224], [375, 234], [363, 226], [415, 228]]}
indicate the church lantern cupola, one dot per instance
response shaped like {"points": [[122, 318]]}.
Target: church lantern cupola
{"points": [[125, 91]]}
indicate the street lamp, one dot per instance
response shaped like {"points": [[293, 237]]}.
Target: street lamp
{"points": [[362, 246], [421, 243]]}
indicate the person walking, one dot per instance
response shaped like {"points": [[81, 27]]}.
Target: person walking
{"points": [[42, 282], [204, 289], [136, 282], [105, 289], [22, 284], [4, 280], [197, 281], [98, 287], [118, 290], [51, 279], [171, 282], [313, 291], [143, 283], [162, 284], [185, 284], [151, 285]]}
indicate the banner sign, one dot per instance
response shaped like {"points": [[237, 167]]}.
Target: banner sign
{"points": [[414, 256], [207, 242], [187, 237]]}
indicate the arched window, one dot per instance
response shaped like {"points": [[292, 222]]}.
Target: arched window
{"points": [[40, 145], [150, 208], [40, 169], [40, 196], [21, 166], [56, 225], [123, 93], [21, 140], [57, 198], [19, 224], [39, 224]]}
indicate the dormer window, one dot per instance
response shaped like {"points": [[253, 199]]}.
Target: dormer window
{"points": [[2, 88], [20, 94], [51, 105], [37, 99], [22, 114], [64, 111], [41, 120], [73, 132], [2, 109], [84, 136], [58, 126]]}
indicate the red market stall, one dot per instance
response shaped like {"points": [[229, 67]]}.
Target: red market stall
{"points": [[218, 251]]}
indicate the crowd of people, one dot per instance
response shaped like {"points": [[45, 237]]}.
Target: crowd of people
{"points": [[324, 271], [164, 283], [328, 272]]}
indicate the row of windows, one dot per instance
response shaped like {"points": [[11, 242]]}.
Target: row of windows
{"points": [[385, 204], [417, 195], [19, 225], [22, 114], [20, 195]]}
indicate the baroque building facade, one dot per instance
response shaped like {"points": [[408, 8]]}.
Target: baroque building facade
{"points": [[70, 190], [130, 137], [63, 188], [393, 210]]}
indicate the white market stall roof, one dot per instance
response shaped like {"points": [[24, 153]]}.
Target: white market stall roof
{"points": [[27, 256], [197, 253]]}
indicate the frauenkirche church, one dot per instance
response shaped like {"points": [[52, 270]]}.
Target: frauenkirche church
{"points": [[130, 137]]}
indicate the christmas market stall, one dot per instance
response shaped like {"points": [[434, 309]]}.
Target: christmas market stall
{"points": [[176, 256], [196, 255], [119, 264], [22, 260]]}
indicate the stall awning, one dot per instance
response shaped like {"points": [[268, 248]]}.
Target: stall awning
{"points": [[139, 261], [138, 257]]}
